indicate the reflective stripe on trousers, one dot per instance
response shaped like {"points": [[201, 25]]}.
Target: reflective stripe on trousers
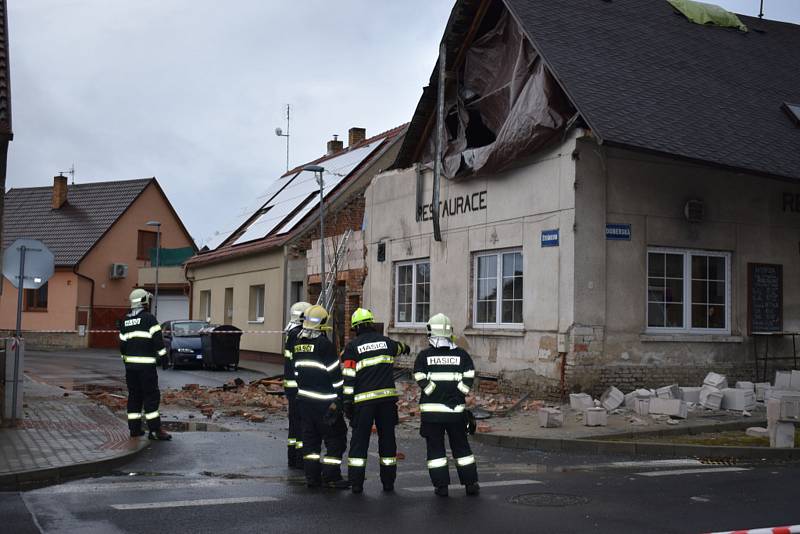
{"points": [[356, 462], [440, 408], [377, 394], [139, 359], [437, 462]]}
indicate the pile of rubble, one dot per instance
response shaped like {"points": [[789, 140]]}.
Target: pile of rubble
{"points": [[673, 403], [233, 399], [783, 409]]}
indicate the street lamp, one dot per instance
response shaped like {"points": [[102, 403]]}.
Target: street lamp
{"points": [[157, 224], [317, 170]]}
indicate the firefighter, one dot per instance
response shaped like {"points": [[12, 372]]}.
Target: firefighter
{"points": [[141, 346], [370, 396], [295, 443], [319, 400], [445, 374]]}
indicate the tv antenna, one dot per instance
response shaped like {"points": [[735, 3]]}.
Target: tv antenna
{"points": [[279, 132], [71, 172], [761, 10]]}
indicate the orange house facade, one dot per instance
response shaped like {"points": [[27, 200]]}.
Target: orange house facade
{"points": [[100, 238]]}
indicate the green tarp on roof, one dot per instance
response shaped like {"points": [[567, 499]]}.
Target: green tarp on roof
{"points": [[702, 13]]}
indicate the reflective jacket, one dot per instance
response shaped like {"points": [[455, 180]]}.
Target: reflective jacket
{"points": [[289, 382], [316, 369], [368, 368], [140, 341], [445, 376]]}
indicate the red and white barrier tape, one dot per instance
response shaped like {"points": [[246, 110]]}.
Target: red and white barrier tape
{"points": [[117, 332], [794, 529]]}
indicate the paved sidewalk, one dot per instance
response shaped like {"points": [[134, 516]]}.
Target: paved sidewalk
{"points": [[61, 436]]}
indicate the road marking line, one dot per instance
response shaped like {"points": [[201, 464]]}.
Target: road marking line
{"points": [[197, 502], [494, 484], [692, 471]]}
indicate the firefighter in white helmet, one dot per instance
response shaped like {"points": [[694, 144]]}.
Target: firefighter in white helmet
{"points": [[445, 374], [141, 346], [319, 399], [293, 329]]}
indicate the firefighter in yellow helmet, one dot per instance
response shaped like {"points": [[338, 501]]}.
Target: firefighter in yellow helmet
{"points": [[445, 374], [319, 400], [141, 346], [370, 397], [293, 329]]}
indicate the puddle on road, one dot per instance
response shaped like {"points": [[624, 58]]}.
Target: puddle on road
{"points": [[192, 426]]}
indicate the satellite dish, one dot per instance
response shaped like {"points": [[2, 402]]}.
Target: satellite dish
{"points": [[39, 263], [278, 131]]}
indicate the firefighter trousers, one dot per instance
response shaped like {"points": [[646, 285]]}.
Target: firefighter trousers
{"points": [[295, 441], [437, 455], [384, 415], [143, 395], [319, 467]]}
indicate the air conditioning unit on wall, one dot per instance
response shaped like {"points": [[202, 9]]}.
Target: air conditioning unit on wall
{"points": [[118, 271]]}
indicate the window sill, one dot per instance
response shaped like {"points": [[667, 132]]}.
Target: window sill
{"points": [[499, 332], [407, 330], [257, 321], [690, 338]]}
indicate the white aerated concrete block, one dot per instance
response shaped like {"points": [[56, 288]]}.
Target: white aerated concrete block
{"points": [[690, 394], [672, 407], [716, 380], [642, 406], [710, 397], [669, 392], [795, 381], [757, 432], [783, 380], [746, 385], [595, 417], [761, 390], [738, 399], [790, 409], [612, 398], [580, 401], [783, 436], [630, 398], [550, 418]]}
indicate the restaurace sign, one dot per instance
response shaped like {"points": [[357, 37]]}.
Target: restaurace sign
{"points": [[454, 206]]}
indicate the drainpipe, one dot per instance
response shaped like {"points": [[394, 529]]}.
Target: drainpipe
{"points": [[191, 289]]}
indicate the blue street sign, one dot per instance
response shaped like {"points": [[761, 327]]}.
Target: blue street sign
{"points": [[618, 232], [550, 238]]}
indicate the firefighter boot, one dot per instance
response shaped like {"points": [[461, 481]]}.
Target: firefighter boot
{"points": [[337, 484], [159, 435], [473, 489], [441, 491], [137, 433]]}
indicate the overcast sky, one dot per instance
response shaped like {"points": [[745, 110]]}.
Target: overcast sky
{"points": [[190, 91]]}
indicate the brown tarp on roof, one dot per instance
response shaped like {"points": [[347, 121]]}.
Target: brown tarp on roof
{"points": [[504, 106]]}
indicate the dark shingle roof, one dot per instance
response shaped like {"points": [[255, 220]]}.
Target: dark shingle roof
{"points": [[645, 77], [71, 231]]}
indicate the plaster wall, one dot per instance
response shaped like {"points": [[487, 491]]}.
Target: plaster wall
{"points": [[240, 273]]}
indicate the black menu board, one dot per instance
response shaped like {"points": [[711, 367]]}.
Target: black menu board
{"points": [[765, 297]]}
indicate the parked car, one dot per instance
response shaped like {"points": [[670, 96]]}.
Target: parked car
{"points": [[182, 341]]}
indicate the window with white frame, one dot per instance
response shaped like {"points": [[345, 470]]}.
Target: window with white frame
{"points": [[688, 290], [412, 292], [205, 305], [498, 288], [257, 304]]}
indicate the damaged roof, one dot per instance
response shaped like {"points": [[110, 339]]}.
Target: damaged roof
{"points": [[644, 77]]}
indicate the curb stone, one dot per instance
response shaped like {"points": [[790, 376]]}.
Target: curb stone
{"points": [[598, 445], [38, 478]]}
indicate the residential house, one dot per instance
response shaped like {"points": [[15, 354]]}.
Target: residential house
{"points": [[618, 203], [271, 258], [100, 238]]}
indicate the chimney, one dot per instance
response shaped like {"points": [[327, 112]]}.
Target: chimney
{"points": [[59, 191], [356, 135], [335, 145]]}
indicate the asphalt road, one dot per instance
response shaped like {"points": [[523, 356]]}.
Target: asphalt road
{"points": [[237, 482], [104, 368]]}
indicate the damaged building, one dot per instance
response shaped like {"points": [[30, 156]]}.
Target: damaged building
{"points": [[604, 193]]}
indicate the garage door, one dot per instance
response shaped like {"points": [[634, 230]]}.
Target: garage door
{"points": [[172, 307]]}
